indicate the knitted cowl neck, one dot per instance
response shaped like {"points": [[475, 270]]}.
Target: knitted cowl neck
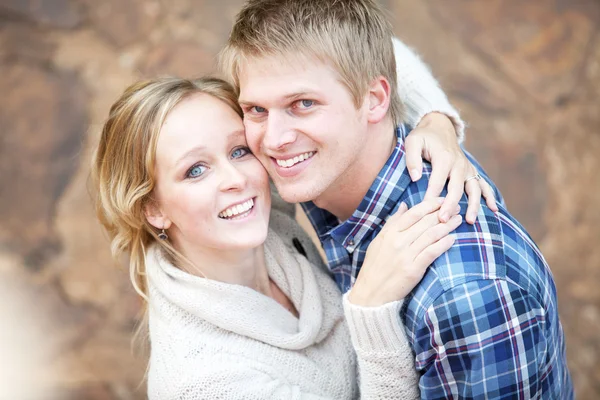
{"points": [[246, 312]]}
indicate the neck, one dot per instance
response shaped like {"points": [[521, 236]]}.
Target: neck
{"points": [[245, 267], [344, 197]]}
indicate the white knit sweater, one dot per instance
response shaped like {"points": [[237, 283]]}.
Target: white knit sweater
{"points": [[212, 340]]}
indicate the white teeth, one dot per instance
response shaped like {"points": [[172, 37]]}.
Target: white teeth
{"points": [[293, 161], [237, 209]]}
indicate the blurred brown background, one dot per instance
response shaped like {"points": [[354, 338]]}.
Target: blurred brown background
{"points": [[525, 75]]}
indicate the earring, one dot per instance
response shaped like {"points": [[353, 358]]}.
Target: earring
{"points": [[163, 235]]}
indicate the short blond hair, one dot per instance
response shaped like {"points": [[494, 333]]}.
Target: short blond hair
{"points": [[353, 36], [123, 172]]}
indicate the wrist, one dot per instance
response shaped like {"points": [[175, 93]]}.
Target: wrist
{"points": [[439, 122], [360, 298], [356, 298]]}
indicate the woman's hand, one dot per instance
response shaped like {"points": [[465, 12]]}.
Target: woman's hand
{"points": [[399, 256], [434, 139]]}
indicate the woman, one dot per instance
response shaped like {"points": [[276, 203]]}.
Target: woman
{"points": [[240, 305]]}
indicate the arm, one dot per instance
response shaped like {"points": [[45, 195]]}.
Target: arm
{"points": [[483, 338], [385, 359], [420, 92], [437, 125]]}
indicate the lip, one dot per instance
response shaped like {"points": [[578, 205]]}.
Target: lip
{"points": [[288, 172], [252, 210], [237, 204]]}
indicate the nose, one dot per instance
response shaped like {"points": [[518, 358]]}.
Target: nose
{"points": [[232, 178], [279, 131]]}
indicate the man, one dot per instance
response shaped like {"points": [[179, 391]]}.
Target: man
{"points": [[319, 93]]}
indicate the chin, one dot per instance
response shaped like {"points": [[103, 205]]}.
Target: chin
{"points": [[248, 239], [298, 192], [248, 243]]}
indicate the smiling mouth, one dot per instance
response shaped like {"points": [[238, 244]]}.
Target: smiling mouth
{"points": [[238, 211], [294, 160]]}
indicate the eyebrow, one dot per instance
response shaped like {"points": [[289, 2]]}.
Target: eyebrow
{"points": [[239, 132], [188, 154], [287, 97]]}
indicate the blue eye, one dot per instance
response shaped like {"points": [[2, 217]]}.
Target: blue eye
{"points": [[195, 171], [258, 109], [240, 152], [306, 103]]}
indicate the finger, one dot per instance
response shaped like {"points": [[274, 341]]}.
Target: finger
{"points": [[412, 233], [401, 210], [414, 151], [456, 187], [488, 194], [435, 234], [415, 214], [473, 190], [433, 251], [441, 167], [392, 220]]}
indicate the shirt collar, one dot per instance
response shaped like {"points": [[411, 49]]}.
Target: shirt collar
{"points": [[381, 199]]}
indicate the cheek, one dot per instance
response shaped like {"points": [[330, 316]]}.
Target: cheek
{"points": [[323, 126], [191, 203]]}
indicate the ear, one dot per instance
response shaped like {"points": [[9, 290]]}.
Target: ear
{"points": [[155, 216], [379, 99]]}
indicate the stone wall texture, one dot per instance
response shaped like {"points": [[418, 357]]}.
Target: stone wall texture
{"points": [[525, 75]]}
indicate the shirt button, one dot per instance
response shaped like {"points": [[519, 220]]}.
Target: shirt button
{"points": [[351, 241]]}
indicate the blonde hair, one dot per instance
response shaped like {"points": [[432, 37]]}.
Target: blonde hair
{"points": [[353, 36], [123, 166]]}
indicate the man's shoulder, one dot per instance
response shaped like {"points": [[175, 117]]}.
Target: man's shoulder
{"points": [[485, 250], [495, 248]]}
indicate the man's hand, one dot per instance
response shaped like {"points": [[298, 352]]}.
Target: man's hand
{"points": [[435, 140]]}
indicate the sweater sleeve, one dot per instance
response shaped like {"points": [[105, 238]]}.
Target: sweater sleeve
{"points": [[385, 360], [419, 91]]}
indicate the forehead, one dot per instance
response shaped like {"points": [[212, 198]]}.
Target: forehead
{"points": [[198, 120], [276, 76]]}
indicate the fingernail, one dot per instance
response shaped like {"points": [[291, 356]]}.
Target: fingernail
{"points": [[440, 200], [457, 210], [414, 174], [457, 218], [403, 206], [444, 217]]}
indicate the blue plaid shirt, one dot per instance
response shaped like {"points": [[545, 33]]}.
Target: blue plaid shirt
{"points": [[483, 322]]}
